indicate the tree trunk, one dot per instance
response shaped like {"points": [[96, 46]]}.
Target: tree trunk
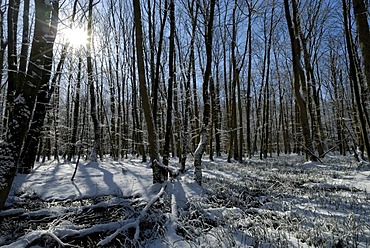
{"points": [[299, 79], [338, 102], [217, 116], [207, 108], [12, 28], [24, 99], [3, 45], [56, 108], [354, 77], [90, 78], [361, 18], [268, 125], [249, 82], [159, 171], [185, 142], [241, 136], [73, 149], [196, 121], [112, 94], [69, 102], [25, 41], [171, 78], [233, 146], [158, 65], [29, 152], [257, 128], [226, 88], [314, 104]]}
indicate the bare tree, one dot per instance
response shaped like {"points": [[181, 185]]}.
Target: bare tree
{"points": [[12, 27], [248, 93], [159, 171], [299, 82], [361, 17], [76, 109], [171, 78], [29, 151], [192, 6], [206, 100], [90, 77], [354, 76], [3, 45], [25, 93], [233, 145], [265, 137]]}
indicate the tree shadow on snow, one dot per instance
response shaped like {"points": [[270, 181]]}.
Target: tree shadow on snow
{"points": [[86, 172]]}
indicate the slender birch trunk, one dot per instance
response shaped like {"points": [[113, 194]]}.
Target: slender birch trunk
{"points": [[206, 99]]}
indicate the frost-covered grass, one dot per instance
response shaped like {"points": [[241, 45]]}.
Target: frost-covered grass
{"points": [[287, 203], [277, 202]]}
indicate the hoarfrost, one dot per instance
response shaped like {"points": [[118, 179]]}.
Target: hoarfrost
{"points": [[19, 99]]}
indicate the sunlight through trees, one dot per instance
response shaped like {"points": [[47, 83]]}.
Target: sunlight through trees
{"points": [[181, 79]]}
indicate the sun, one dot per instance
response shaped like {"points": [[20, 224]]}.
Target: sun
{"points": [[76, 37]]}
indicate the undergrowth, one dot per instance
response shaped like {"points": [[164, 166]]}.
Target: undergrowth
{"points": [[258, 203]]}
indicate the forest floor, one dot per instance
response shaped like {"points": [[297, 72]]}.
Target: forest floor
{"points": [[278, 202]]}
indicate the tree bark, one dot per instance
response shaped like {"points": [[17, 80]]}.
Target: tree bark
{"points": [[159, 171], [24, 98], [299, 79], [361, 17], [354, 77], [185, 142], [3, 45], [12, 28], [25, 41], [249, 82], [314, 105], [29, 152], [158, 65], [217, 116], [90, 78], [207, 108], [73, 148], [233, 145], [171, 78]]}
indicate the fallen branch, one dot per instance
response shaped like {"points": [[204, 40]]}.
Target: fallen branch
{"points": [[134, 224], [309, 151], [33, 236], [172, 222]]}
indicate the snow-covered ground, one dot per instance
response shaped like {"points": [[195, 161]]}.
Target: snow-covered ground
{"points": [[277, 202]]}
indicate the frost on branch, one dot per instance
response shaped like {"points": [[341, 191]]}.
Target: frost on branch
{"points": [[134, 224], [198, 157]]}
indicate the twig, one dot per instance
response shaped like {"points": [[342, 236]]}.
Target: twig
{"points": [[53, 236], [135, 223], [31, 237], [309, 151]]}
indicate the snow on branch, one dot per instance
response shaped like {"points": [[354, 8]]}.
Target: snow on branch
{"points": [[33, 236], [134, 224], [172, 223]]}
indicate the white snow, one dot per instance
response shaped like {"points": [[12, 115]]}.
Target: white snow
{"points": [[52, 181], [281, 201]]}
